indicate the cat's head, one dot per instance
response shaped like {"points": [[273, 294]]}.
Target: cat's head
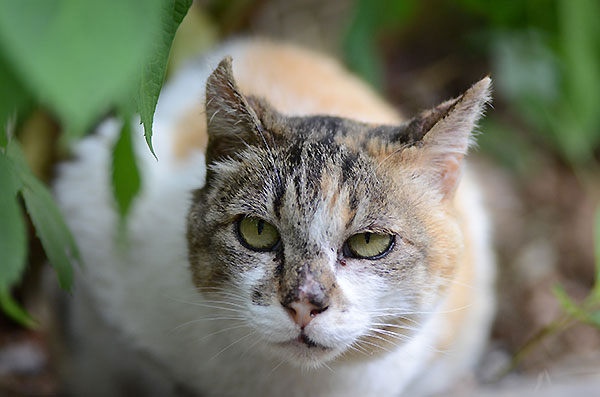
{"points": [[326, 236]]}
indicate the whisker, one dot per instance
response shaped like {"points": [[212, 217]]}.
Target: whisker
{"points": [[398, 316], [358, 348], [222, 330], [456, 282], [221, 292], [226, 303], [232, 344], [397, 326], [328, 367], [210, 306], [408, 313], [277, 366], [240, 318], [372, 335], [251, 346], [374, 345]]}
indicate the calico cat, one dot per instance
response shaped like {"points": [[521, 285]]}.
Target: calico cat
{"points": [[296, 237]]}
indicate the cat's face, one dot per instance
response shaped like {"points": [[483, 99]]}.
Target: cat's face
{"points": [[330, 237]]}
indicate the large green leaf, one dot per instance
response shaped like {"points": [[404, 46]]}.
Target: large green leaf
{"points": [[13, 237], [153, 72], [13, 240], [12, 98], [50, 227], [78, 56], [125, 175]]}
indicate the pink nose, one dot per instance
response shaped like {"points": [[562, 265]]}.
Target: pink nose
{"points": [[303, 311]]}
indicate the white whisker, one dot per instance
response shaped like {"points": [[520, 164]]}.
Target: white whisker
{"points": [[276, 367], [374, 345], [207, 319], [251, 346], [222, 330], [210, 306], [231, 344]]}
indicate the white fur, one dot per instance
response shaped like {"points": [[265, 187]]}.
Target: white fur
{"points": [[142, 293]]}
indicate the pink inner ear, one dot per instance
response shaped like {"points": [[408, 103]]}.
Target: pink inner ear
{"points": [[446, 143], [450, 175]]}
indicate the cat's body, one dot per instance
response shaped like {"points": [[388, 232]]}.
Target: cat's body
{"points": [[189, 302]]}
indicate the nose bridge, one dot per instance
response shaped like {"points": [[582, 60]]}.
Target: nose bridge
{"points": [[305, 292], [308, 281], [311, 288]]}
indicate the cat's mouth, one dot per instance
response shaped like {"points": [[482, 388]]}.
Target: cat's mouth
{"points": [[304, 341], [303, 351]]}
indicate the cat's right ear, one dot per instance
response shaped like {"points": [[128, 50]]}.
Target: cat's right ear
{"points": [[442, 135], [232, 123]]}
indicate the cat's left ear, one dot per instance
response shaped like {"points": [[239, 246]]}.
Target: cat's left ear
{"points": [[232, 122], [445, 133]]}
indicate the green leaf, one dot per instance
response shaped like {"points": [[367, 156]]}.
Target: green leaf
{"points": [[579, 36], [77, 56], [567, 304], [13, 235], [370, 18], [597, 252], [14, 311], [50, 227], [13, 241], [595, 318], [572, 308], [153, 72], [12, 98], [125, 175]]}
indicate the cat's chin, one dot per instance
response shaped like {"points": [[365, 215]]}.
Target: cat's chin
{"points": [[303, 352]]}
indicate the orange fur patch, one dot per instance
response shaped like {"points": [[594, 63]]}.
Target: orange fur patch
{"points": [[191, 133], [295, 82]]}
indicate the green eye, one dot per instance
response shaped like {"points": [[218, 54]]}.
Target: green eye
{"points": [[368, 245], [256, 234]]}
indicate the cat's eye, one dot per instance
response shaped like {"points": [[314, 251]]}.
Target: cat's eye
{"points": [[257, 234], [369, 245]]}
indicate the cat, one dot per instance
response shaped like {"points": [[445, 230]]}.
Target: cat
{"points": [[296, 237]]}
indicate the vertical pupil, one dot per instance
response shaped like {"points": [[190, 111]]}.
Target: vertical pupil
{"points": [[367, 237], [260, 226]]}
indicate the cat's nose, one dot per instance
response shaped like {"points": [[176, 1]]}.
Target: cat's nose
{"points": [[303, 311]]}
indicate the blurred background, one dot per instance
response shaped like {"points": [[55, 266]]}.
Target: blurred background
{"points": [[538, 153]]}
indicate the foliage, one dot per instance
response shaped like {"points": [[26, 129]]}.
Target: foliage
{"points": [[370, 18], [17, 179], [545, 74], [154, 70], [125, 176], [79, 59], [544, 56], [589, 310]]}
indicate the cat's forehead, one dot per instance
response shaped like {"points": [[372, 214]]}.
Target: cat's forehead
{"points": [[308, 176], [328, 130]]}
